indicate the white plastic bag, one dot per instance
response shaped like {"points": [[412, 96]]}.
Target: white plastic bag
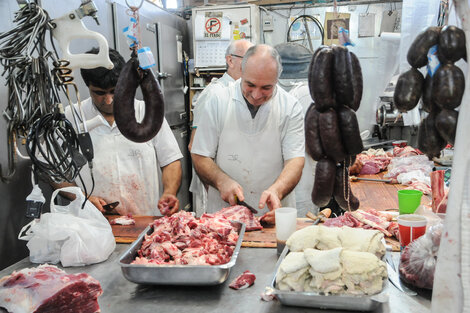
{"points": [[70, 234]]}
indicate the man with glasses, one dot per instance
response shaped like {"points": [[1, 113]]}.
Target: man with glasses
{"points": [[233, 60], [250, 140]]}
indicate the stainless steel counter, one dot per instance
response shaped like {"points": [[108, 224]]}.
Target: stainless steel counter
{"points": [[121, 295]]}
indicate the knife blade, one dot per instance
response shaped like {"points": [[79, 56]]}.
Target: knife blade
{"points": [[395, 280], [110, 206], [252, 209]]}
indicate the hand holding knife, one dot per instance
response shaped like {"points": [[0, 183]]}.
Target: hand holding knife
{"points": [[252, 209]]}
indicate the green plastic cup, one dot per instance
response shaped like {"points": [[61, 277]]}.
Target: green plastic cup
{"points": [[409, 201]]}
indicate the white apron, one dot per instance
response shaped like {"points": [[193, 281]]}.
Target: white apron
{"points": [[255, 161], [120, 169]]}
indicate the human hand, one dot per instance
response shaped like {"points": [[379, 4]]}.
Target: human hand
{"points": [[168, 204], [270, 199], [268, 218], [98, 203], [230, 190]]}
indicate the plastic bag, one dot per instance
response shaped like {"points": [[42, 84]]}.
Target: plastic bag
{"points": [[70, 234], [418, 260]]}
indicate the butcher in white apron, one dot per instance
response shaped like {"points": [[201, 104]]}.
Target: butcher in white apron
{"points": [[250, 140], [123, 170]]}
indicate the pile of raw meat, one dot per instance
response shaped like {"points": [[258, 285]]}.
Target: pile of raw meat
{"points": [[47, 288], [183, 239], [370, 219]]}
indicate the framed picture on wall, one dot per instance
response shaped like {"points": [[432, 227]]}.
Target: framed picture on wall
{"points": [[333, 21]]}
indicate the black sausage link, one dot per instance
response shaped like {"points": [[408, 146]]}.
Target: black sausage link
{"points": [[349, 128], [320, 80], [356, 81], [312, 134], [429, 104], [418, 53], [446, 124], [124, 111], [430, 141], [408, 90], [324, 182], [448, 86], [342, 188], [451, 44], [330, 135], [343, 76]]}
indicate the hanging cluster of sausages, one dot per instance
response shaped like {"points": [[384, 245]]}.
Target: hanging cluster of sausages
{"points": [[124, 112], [441, 91], [331, 129]]}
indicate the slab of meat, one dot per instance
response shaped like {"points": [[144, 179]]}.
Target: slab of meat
{"points": [[183, 239], [241, 214], [405, 151], [439, 192], [123, 220], [243, 281], [363, 219], [373, 163], [47, 288]]}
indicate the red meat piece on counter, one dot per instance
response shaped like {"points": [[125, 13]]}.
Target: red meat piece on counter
{"points": [[243, 281], [47, 288]]}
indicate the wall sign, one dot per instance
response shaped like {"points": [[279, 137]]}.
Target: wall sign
{"points": [[213, 25]]}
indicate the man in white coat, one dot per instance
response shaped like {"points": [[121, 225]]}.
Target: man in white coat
{"points": [[250, 139], [124, 170], [233, 59]]}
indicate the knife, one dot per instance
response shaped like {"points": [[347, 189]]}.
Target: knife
{"points": [[252, 209], [395, 280], [110, 206]]}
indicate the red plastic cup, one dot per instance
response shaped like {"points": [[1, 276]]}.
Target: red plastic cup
{"points": [[411, 227]]}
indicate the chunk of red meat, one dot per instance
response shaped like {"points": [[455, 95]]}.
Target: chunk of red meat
{"points": [[47, 288], [241, 214], [243, 281]]}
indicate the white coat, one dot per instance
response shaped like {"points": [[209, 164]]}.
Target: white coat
{"points": [[124, 170], [250, 150]]}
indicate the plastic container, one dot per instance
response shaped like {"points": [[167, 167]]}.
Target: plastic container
{"points": [[409, 201]]}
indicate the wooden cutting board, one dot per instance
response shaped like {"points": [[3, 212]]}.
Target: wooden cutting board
{"points": [[129, 233], [266, 238]]}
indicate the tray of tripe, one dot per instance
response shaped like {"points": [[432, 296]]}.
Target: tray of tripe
{"points": [[330, 279], [183, 250]]}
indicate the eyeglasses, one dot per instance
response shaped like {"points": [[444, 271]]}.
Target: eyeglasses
{"points": [[237, 56]]}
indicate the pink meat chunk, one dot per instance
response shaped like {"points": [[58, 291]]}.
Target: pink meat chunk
{"points": [[363, 219], [243, 281], [47, 288], [241, 214]]}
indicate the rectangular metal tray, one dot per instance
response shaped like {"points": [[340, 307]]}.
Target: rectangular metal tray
{"points": [[184, 275], [316, 300]]}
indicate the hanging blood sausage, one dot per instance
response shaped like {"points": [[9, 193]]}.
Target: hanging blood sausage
{"points": [[349, 127], [343, 76], [343, 188], [320, 80], [448, 86], [428, 102], [446, 124], [356, 82], [418, 53], [312, 134], [429, 140], [324, 182], [330, 135], [451, 44], [124, 112], [408, 90]]}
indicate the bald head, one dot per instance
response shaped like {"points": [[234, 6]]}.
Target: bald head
{"points": [[261, 68], [263, 56], [234, 56]]}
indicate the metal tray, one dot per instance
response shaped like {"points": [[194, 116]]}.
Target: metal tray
{"points": [[187, 275], [316, 300]]}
